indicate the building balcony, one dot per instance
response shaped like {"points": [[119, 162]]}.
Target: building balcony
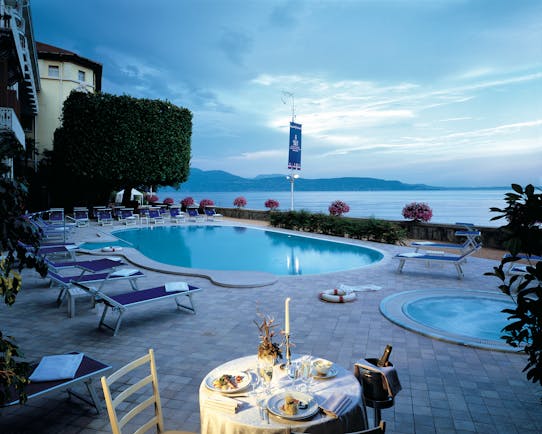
{"points": [[10, 125]]}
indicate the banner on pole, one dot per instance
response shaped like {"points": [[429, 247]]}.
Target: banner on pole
{"points": [[294, 154]]}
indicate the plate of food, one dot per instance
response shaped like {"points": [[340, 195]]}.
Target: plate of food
{"points": [[228, 382], [292, 405]]}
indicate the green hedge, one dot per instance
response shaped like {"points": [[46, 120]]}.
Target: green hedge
{"points": [[371, 229]]}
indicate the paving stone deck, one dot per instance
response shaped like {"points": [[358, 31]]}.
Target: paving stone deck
{"points": [[447, 388]]}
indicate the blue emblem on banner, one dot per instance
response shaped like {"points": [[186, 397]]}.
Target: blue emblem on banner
{"points": [[294, 154]]}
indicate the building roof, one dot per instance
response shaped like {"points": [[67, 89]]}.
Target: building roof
{"points": [[50, 52]]}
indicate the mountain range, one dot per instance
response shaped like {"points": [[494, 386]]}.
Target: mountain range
{"points": [[218, 180]]}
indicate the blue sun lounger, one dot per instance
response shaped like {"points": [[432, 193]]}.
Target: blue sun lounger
{"points": [[67, 290], [121, 303], [471, 240], [455, 260], [87, 371]]}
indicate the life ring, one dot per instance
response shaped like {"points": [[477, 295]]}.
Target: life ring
{"points": [[111, 249], [337, 296]]}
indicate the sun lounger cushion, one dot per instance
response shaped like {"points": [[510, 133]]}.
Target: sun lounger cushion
{"points": [[124, 272], [176, 286], [60, 367]]}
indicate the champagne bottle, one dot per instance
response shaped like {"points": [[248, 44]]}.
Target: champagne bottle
{"points": [[383, 361]]}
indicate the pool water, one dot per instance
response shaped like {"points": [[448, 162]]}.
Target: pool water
{"points": [[245, 249], [476, 317]]}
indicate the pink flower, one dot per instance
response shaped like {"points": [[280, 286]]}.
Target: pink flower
{"points": [[168, 201], [418, 212], [205, 202], [240, 202], [272, 204], [151, 198], [338, 208], [187, 201]]}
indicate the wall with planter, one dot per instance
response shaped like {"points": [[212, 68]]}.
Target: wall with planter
{"points": [[491, 237]]}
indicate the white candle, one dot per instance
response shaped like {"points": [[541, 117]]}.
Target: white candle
{"points": [[287, 316]]}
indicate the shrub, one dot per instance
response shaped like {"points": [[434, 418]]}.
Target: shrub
{"points": [[240, 202], [417, 212], [338, 208], [168, 201], [372, 229], [187, 201], [271, 204], [523, 236]]}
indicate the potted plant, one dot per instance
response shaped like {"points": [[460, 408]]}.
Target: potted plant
{"points": [[418, 212], [338, 208], [186, 202], [203, 203], [267, 349], [240, 202], [272, 204]]}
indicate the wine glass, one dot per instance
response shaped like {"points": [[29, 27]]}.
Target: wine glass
{"points": [[306, 372], [294, 372], [266, 374]]}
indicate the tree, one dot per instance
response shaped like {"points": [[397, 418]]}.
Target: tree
{"points": [[108, 142], [523, 235], [14, 227]]}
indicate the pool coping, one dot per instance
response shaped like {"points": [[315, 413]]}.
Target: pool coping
{"points": [[225, 278], [392, 308]]}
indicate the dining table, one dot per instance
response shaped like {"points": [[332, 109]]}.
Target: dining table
{"points": [[248, 418]]}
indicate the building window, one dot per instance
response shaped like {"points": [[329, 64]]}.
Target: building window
{"points": [[81, 76], [54, 71]]}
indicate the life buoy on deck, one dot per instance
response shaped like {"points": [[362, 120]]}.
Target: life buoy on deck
{"points": [[111, 249], [337, 296]]}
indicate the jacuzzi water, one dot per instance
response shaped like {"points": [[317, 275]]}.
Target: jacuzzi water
{"points": [[214, 247], [476, 317]]}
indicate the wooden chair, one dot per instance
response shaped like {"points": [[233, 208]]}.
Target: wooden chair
{"points": [[139, 402]]}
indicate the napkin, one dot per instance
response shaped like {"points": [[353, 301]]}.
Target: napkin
{"points": [[61, 367], [223, 403], [391, 379], [125, 272], [176, 286], [335, 404]]}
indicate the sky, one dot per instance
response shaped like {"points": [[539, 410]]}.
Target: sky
{"points": [[440, 92]]}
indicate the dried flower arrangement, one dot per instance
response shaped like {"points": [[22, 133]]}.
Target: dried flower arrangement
{"points": [[267, 348]]}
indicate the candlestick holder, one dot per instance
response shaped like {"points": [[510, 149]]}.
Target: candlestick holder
{"points": [[288, 353]]}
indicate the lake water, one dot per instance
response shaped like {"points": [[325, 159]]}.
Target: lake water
{"points": [[449, 206]]}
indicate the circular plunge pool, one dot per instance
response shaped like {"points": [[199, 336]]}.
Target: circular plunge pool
{"points": [[472, 318], [235, 248]]}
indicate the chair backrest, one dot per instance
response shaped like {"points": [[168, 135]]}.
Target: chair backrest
{"points": [[193, 212], [122, 408]]}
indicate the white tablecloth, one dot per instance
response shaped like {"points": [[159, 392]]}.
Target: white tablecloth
{"points": [[247, 419]]}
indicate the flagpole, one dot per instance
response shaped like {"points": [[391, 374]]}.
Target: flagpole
{"points": [[291, 177]]}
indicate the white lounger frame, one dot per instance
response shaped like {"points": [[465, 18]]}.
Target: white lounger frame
{"points": [[457, 261], [122, 308]]}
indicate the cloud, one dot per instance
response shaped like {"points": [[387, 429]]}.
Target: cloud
{"points": [[235, 45], [260, 155]]}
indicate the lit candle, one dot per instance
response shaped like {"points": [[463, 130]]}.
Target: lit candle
{"points": [[287, 316]]}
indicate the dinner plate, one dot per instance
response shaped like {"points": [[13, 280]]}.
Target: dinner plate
{"points": [[244, 383], [330, 374], [276, 401]]}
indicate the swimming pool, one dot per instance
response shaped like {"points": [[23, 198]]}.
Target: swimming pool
{"points": [[471, 318], [214, 247]]}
